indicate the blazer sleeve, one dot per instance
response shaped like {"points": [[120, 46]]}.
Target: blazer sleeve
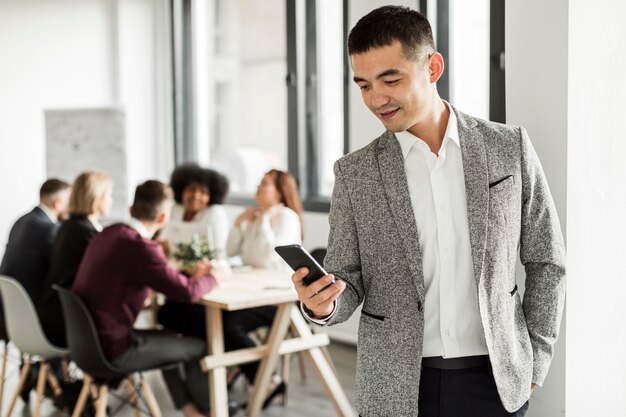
{"points": [[542, 252], [343, 258]]}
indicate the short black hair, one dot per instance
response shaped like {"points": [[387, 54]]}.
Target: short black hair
{"points": [[149, 197], [51, 187], [385, 25], [188, 173]]}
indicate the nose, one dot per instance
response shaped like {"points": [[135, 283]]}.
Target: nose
{"points": [[379, 100]]}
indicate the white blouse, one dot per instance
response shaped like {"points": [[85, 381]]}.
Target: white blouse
{"points": [[255, 241], [211, 222]]}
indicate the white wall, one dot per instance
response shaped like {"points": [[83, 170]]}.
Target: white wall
{"points": [[72, 54], [52, 54], [536, 98], [596, 203]]}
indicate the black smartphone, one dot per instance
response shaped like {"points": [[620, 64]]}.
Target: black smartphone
{"points": [[297, 257]]}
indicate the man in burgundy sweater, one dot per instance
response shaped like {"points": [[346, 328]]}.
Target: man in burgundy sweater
{"points": [[120, 266]]}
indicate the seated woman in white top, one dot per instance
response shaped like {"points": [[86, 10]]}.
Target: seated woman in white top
{"points": [[199, 194], [274, 222]]}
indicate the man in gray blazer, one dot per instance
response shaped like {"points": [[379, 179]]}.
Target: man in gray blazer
{"points": [[426, 224]]}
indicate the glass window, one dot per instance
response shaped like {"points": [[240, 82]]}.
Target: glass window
{"points": [[330, 81], [247, 94]]}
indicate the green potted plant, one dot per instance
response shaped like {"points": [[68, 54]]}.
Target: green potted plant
{"points": [[188, 253]]}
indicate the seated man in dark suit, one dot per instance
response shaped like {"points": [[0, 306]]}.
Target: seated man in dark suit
{"points": [[120, 266], [30, 241], [27, 254]]}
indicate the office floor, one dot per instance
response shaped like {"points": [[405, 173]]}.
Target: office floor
{"points": [[304, 399]]}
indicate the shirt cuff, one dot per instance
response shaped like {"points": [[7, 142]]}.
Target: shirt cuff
{"points": [[307, 314]]}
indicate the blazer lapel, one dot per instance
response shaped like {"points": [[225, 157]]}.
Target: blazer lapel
{"points": [[391, 165], [476, 188]]}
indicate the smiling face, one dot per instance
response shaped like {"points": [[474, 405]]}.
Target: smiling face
{"points": [[195, 197], [400, 91]]}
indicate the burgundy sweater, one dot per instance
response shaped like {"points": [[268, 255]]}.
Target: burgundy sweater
{"points": [[114, 279]]}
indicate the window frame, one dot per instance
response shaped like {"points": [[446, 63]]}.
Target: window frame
{"points": [[302, 126], [302, 94]]}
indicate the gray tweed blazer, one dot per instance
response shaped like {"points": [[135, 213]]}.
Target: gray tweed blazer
{"points": [[374, 246]]}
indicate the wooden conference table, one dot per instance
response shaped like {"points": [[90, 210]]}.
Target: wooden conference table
{"points": [[254, 288]]}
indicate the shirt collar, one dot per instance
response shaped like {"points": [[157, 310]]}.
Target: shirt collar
{"points": [[139, 227], [95, 223], [46, 210], [407, 140]]}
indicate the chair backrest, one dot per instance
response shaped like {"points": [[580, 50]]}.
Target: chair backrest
{"points": [[319, 254], [22, 321], [82, 337]]}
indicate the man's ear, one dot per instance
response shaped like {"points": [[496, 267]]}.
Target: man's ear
{"points": [[161, 218], [57, 204], [436, 66]]}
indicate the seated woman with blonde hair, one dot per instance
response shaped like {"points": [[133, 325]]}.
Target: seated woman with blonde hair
{"points": [[90, 198], [275, 221]]}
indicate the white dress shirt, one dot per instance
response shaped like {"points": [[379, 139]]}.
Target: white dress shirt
{"points": [[255, 241], [139, 227], [95, 223], [53, 218], [452, 327], [211, 222]]}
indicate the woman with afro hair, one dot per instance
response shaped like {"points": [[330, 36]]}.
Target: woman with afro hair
{"points": [[199, 194]]}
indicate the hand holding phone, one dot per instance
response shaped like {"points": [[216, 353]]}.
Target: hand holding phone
{"points": [[297, 257], [317, 290]]}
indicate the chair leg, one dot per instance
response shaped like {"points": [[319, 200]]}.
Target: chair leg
{"points": [[82, 398], [151, 401], [3, 368], [103, 399], [132, 392], [41, 383], [20, 385]]}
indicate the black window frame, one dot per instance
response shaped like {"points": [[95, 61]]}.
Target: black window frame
{"points": [[302, 94], [301, 79]]}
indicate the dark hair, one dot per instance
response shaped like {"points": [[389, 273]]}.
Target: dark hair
{"points": [[288, 189], [382, 26], [149, 197], [51, 187], [186, 174]]}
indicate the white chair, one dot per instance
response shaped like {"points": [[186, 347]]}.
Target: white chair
{"points": [[25, 332]]}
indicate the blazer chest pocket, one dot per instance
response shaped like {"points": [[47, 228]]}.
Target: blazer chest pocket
{"points": [[501, 192], [502, 183]]}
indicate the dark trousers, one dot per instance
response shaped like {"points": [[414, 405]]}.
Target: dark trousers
{"points": [[468, 392], [187, 383], [237, 325], [190, 320]]}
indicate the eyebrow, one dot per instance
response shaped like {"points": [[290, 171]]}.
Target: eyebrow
{"points": [[391, 71]]}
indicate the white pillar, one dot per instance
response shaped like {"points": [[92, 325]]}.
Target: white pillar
{"points": [[596, 205], [536, 98]]}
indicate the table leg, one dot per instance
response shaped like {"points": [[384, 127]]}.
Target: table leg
{"points": [[218, 392], [268, 364], [323, 368]]}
